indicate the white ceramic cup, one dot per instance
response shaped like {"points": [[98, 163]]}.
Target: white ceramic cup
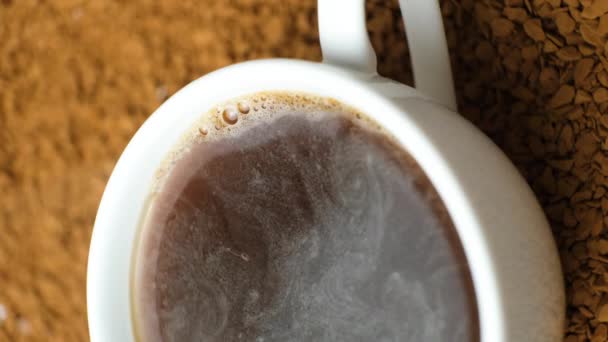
{"points": [[505, 236]]}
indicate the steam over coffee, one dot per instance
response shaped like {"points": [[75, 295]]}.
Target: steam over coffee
{"points": [[295, 218]]}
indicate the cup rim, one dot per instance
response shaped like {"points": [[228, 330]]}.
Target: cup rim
{"points": [[120, 209]]}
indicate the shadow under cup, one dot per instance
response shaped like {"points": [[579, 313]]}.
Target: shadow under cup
{"points": [[286, 216]]}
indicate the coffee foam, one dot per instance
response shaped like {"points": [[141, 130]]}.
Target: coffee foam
{"points": [[233, 117]]}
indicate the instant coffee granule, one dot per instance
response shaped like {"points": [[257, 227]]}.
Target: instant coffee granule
{"points": [[78, 78]]}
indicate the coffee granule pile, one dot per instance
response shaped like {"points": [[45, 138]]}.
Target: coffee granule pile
{"points": [[77, 79], [534, 76]]}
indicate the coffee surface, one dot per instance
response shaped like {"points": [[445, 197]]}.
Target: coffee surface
{"points": [[303, 226]]}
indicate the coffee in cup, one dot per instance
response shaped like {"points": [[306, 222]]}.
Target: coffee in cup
{"points": [[292, 217]]}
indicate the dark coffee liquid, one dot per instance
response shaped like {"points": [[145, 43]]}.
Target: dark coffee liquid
{"points": [[301, 228]]}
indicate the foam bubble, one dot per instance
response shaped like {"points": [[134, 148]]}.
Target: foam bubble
{"points": [[243, 107], [230, 116]]}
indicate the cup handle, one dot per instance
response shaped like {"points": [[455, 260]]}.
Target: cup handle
{"points": [[345, 42]]}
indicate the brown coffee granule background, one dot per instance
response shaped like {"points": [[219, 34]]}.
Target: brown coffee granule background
{"points": [[77, 78]]}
